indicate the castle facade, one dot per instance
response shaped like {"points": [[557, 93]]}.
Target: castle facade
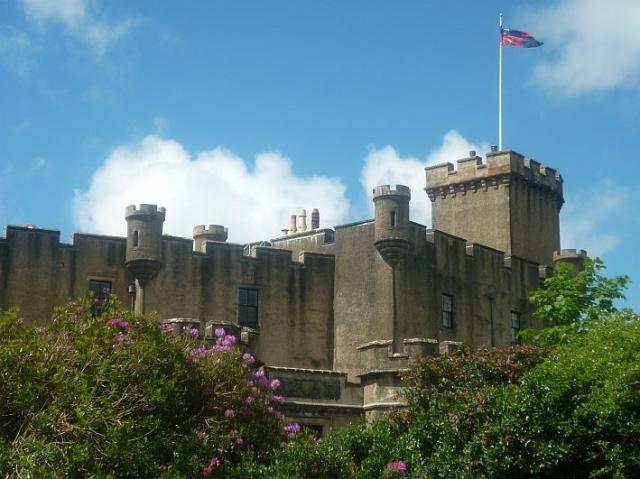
{"points": [[336, 313]]}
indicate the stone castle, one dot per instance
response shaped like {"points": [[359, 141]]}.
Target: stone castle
{"points": [[337, 313]]}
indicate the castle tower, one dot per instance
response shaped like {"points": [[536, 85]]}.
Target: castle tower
{"points": [[144, 245], [391, 239], [508, 203], [201, 234], [392, 222], [574, 257]]}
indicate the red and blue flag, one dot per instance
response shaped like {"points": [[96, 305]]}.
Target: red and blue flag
{"points": [[517, 38]]}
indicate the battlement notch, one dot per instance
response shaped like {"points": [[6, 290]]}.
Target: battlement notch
{"points": [[145, 210], [202, 233]]}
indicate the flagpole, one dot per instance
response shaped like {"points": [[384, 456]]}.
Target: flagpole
{"points": [[500, 92]]}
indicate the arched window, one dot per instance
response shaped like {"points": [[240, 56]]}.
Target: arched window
{"points": [[136, 238]]}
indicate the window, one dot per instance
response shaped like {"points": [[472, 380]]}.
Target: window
{"points": [[136, 238], [248, 307], [448, 310], [393, 219], [100, 288], [515, 327]]}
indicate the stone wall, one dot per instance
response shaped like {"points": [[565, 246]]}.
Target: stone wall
{"points": [[37, 272]]}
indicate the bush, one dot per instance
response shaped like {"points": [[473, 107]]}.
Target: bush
{"points": [[99, 392], [578, 414], [524, 412]]}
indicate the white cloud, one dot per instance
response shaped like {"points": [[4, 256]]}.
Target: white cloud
{"points": [[215, 187], [79, 19], [588, 218], [596, 45], [385, 166]]}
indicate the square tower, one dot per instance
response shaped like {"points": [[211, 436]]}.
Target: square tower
{"points": [[509, 203]]}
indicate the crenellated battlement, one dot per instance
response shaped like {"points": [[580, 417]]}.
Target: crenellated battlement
{"points": [[569, 253], [217, 230], [145, 210], [500, 169], [384, 191], [202, 234]]}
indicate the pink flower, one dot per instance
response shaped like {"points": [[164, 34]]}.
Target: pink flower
{"points": [[229, 413], [248, 400], [202, 435], [215, 462], [165, 328], [219, 332], [292, 428], [193, 332], [162, 468], [118, 323], [248, 357], [239, 440], [397, 466], [274, 384], [207, 470]]}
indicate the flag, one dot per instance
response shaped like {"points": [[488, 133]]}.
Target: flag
{"points": [[517, 38]]}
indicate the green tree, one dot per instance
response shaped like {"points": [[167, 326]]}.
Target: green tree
{"points": [[568, 301]]}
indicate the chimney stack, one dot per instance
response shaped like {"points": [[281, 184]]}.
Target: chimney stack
{"points": [[303, 220], [315, 219], [292, 227]]}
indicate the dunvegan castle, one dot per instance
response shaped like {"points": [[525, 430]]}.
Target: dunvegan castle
{"points": [[336, 313]]}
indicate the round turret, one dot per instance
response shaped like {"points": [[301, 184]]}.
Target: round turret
{"points": [[201, 234], [574, 257], [144, 240], [392, 238]]}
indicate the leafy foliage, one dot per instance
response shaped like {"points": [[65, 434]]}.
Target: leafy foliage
{"points": [[568, 301], [578, 414], [99, 392]]}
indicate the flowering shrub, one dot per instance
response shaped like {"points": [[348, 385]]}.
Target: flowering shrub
{"points": [[96, 391], [452, 416]]}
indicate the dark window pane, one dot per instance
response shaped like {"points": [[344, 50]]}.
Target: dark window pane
{"points": [[515, 327], [253, 297], [248, 307], [100, 288], [448, 310]]}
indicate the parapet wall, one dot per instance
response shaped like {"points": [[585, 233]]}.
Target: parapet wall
{"points": [[295, 306], [508, 202], [38, 272], [499, 168], [145, 210], [384, 191]]}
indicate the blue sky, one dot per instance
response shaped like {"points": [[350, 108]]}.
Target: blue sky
{"points": [[240, 113]]}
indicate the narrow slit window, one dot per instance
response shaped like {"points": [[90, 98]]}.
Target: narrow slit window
{"points": [[393, 219], [136, 238]]}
